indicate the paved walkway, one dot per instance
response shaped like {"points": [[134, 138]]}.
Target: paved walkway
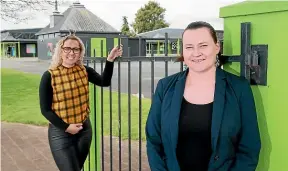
{"points": [[25, 148]]}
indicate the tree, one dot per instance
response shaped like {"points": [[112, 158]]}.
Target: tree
{"points": [[12, 10], [149, 17], [125, 27]]}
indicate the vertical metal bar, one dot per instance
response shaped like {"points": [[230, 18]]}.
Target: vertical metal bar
{"points": [[95, 124], [129, 110], [89, 159], [140, 104], [102, 118], [140, 114], [152, 73], [166, 68], [86, 48], [166, 44], [245, 50], [166, 54], [94, 52], [111, 145], [102, 50], [119, 108], [181, 53], [140, 46], [102, 122], [111, 117], [87, 62]]}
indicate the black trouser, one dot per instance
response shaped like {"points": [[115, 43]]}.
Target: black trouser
{"points": [[70, 151]]}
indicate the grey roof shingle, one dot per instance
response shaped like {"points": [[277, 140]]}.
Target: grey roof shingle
{"points": [[78, 18]]}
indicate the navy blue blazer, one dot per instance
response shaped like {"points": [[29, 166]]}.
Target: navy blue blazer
{"points": [[234, 130]]}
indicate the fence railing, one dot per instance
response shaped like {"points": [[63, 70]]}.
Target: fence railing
{"points": [[119, 112], [127, 114]]}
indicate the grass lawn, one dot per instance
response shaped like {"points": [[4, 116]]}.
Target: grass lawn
{"points": [[20, 103]]}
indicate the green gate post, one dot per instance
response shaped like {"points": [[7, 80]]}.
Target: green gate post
{"points": [[1, 50], [19, 49], [93, 161], [269, 25]]}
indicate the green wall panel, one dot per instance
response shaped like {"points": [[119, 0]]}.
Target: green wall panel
{"points": [[271, 100], [96, 44], [252, 7], [116, 42]]}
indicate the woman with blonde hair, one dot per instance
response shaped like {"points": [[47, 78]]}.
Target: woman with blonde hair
{"points": [[64, 101]]}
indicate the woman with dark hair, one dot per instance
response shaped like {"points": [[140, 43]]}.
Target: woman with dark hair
{"points": [[203, 118]]}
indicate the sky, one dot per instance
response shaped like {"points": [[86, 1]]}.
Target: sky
{"points": [[179, 13]]}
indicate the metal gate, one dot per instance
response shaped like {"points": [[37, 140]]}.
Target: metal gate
{"points": [[121, 110]]}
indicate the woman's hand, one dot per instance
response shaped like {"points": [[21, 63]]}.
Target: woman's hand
{"points": [[74, 128], [115, 52]]}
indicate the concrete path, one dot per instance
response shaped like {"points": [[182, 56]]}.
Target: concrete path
{"points": [[26, 148]]}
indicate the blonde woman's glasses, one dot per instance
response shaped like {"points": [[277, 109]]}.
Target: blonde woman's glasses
{"points": [[68, 50]]}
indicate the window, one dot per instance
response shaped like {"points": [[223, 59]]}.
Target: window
{"points": [[30, 48]]}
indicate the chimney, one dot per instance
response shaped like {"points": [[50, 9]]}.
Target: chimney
{"points": [[56, 16], [77, 4]]}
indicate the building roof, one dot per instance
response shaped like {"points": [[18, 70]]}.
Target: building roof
{"points": [[173, 33], [26, 30], [6, 36], [19, 34], [79, 19]]}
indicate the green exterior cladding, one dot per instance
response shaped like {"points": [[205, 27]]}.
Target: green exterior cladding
{"points": [[269, 25]]}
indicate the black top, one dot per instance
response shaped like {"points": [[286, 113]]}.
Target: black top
{"points": [[194, 138], [46, 92]]}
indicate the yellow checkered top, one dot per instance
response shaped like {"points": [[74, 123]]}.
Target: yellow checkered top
{"points": [[70, 93]]}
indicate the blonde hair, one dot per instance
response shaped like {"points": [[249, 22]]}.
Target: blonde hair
{"points": [[56, 58]]}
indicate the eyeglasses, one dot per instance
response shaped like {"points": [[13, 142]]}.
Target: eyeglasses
{"points": [[68, 50]]}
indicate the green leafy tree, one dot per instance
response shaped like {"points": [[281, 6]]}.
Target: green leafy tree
{"points": [[149, 17], [125, 27]]}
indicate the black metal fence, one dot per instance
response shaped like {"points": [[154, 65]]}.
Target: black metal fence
{"points": [[126, 116], [122, 141]]}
